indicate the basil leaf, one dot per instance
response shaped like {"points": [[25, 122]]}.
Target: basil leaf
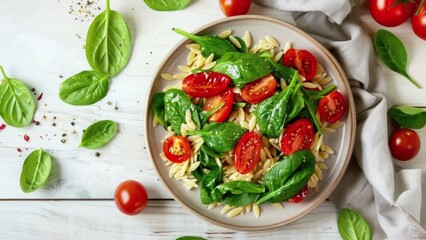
{"points": [[108, 43], [98, 134], [221, 137], [84, 88], [352, 225], [408, 117], [393, 53], [209, 44], [167, 5], [17, 106], [190, 238], [35, 171]]}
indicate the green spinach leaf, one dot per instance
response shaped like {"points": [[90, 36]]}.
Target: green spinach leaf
{"points": [[190, 237], [221, 137], [98, 134], [287, 177], [208, 183], [108, 43], [393, 53], [176, 102], [352, 225], [159, 109], [242, 68], [167, 5], [210, 44], [408, 117], [35, 171], [17, 106], [84, 88], [206, 157], [237, 193]]}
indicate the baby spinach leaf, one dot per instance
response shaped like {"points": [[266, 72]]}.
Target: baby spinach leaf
{"points": [[167, 5], [237, 193], [35, 171], [208, 183], [408, 117], [287, 177], [176, 102], [17, 106], [98, 134], [108, 43], [239, 187], [84, 88], [221, 137], [280, 71], [190, 237], [393, 53], [242, 68], [352, 225], [159, 109], [209, 44], [206, 157]]}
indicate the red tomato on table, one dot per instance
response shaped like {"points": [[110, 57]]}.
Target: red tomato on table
{"points": [[391, 13], [301, 60], [130, 197], [234, 7], [404, 144], [211, 103], [418, 23], [259, 90], [247, 152], [297, 136], [177, 149], [205, 84], [332, 107]]}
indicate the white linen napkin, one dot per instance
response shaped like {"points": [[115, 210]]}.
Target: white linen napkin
{"points": [[391, 199]]}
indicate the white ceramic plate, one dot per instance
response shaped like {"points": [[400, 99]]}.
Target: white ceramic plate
{"points": [[340, 141]]}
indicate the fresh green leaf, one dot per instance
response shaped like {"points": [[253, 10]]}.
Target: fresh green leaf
{"points": [[17, 106], [167, 5], [176, 102], [208, 183], [352, 225], [237, 193], [35, 171], [392, 52], [98, 134], [286, 178], [190, 238], [108, 43], [242, 68], [209, 44], [159, 109], [408, 117], [221, 137], [206, 157], [84, 88]]}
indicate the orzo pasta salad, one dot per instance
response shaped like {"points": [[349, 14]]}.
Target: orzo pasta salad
{"points": [[246, 121]]}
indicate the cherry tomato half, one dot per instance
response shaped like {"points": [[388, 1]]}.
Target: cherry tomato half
{"points": [[234, 7], [418, 23], [300, 195], [130, 197], [391, 13], [332, 107], [247, 152], [177, 149], [404, 144], [259, 90], [205, 84], [297, 136], [211, 103], [301, 60]]}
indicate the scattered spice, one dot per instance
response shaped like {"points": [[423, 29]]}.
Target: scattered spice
{"points": [[64, 135], [82, 10], [37, 123], [54, 124], [72, 123], [60, 76], [26, 138], [19, 149], [40, 97], [2, 127], [63, 140], [98, 154], [32, 89]]}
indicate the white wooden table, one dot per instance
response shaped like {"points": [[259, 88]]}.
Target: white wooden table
{"points": [[42, 43]]}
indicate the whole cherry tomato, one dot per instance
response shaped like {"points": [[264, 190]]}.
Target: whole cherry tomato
{"points": [[130, 197], [404, 144], [234, 7], [391, 13], [418, 22]]}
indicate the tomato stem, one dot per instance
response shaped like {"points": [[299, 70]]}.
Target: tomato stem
{"points": [[420, 6]]}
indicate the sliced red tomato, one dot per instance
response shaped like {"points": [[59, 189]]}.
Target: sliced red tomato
{"points": [[300, 195], [332, 107], [259, 90], [301, 60], [205, 84], [177, 149], [247, 152], [211, 103], [297, 136]]}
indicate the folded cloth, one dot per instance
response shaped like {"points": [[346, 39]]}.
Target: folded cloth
{"points": [[393, 200]]}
